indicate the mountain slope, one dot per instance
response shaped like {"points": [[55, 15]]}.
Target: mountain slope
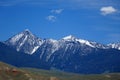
{"points": [[20, 59]]}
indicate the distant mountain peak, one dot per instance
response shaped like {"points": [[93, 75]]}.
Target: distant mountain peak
{"points": [[20, 35], [27, 32], [69, 37], [23, 40]]}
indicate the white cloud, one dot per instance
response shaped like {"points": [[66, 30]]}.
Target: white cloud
{"points": [[108, 10], [51, 18], [57, 11]]}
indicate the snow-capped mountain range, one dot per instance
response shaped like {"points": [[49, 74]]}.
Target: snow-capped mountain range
{"points": [[69, 54], [27, 42]]}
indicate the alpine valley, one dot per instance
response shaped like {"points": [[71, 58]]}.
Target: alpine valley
{"points": [[69, 54]]}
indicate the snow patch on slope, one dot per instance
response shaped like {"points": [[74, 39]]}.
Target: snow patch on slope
{"points": [[85, 42], [34, 49], [72, 38], [69, 38], [16, 38], [55, 47]]}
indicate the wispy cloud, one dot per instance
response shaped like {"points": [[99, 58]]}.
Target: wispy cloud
{"points": [[62, 3], [108, 10], [51, 18], [55, 14], [57, 11]]}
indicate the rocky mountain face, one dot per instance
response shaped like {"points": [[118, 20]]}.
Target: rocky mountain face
{"points": [[69, 54]]}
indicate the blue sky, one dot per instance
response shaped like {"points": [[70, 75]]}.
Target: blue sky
{"points": [[95, 20]]}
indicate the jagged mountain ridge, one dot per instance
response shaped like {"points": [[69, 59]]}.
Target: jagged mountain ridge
{"points": [[29, 43], [69, 54], [115, 45]]}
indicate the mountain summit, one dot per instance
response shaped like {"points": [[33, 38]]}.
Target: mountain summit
{"points": [[25, 42], [70, 38]]}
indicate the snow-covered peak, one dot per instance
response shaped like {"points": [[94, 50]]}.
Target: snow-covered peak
{"points": [[27, 32], [85, 42], [52, 40], [115, 45], [82, 41], [25, 41], [69, 38]]}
